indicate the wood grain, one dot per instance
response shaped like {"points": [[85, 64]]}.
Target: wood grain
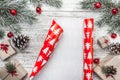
{"points": [[70, 11]]}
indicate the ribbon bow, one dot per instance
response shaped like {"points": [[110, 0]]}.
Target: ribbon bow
{"points": [[13, 73], [4, 47], [106, 41]]}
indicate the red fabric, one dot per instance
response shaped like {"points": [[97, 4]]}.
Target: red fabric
{"points": [[88, 48], [48, 47], [13, 73], [4, 47]]}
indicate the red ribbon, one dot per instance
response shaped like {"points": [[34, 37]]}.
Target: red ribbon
{"points": [[106, 41], [13, 73], [110, 76], [4, 47]]}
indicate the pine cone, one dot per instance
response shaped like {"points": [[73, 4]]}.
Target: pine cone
{"points": [[115, 48], [21, 41], [109, 70]]}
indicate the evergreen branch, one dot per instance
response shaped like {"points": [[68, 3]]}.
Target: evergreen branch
{"points": [[11, 21], [10, 67], [89, 4], [36, 2], [112, 20], [2, 33], [54, 3]]}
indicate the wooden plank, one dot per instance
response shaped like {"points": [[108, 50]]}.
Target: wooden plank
{"points": [[69, 14]]}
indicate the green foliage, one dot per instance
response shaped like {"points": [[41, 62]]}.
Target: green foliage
{"points": [[113, 21], [104, 70], [23, 14], [1, 34], [10, 67], [54, 3], [89, 4]]}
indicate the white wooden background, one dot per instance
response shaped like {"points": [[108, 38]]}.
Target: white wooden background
{"points": [[67, 60]]}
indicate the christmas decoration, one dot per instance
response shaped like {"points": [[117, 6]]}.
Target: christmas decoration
{"points": [[96, 60], [114, 48], [50, 42], [10, 35], [54, 3], [108, 68], [1, 34], [97, 5], [113, 35], [109, 13], [6, 50], [21, 41], [114, 11], [14, 12], [38, 10], [88, 48], [4, 47], [104, 41], [13, 70], [109, 71]]}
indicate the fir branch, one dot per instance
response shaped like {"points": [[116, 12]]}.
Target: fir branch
{"points": [[23, 14], [113, 21], [10, 67], [104, 70], [89, 4], [54, 3], [36, 2], [16, 29], [1, 34]]}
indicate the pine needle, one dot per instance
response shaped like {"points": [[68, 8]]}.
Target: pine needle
{"points": [[10, 67], [2, 34], [23, 14], [54, 3], [113, 21]]}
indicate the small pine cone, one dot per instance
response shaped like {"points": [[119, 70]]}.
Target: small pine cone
{"points": [[21, 41], [115, 48], [109, 70]]}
